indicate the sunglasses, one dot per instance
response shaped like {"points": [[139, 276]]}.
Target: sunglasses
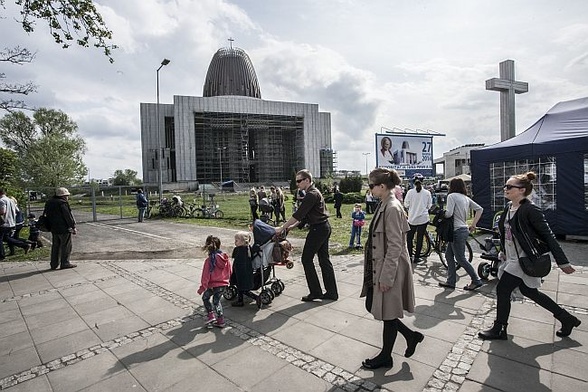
{"points": [[298, 181], [508, 187], [373, 185]]}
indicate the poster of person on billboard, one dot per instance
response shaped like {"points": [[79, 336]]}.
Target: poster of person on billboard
{"points": [[405, 152]]}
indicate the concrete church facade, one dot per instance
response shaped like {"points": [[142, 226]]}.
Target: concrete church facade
{"points": [[231, 133]]}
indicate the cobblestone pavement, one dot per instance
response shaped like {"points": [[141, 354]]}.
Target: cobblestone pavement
{"points": [[137, 324]]}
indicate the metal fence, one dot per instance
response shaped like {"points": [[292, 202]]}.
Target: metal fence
{"points": [[93, 203]]}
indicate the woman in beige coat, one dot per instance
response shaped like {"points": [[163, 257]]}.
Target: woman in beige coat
{"points": [[387, 281]]}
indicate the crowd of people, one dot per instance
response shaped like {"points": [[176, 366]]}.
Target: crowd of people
{"points": [[389, 256]]}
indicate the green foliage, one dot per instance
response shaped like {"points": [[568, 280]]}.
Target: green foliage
{"points": [[126, 177], [49, 148], [324, 186], [65, 19], [351, 184], [348, 198], [8, 164]]}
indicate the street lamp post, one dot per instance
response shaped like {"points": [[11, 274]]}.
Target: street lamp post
{"points": [[159, 147], [365, 154], [220, 163]]}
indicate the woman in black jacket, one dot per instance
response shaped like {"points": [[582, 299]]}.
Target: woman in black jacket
{"points": [[522, 224]]}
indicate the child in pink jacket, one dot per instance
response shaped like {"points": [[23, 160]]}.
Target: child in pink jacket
{"points": [[215, 277]]}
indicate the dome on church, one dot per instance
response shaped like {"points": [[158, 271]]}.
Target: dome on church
{"points": [[231, 73]]}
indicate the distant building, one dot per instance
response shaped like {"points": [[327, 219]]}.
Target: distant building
{"points": [[230, 133], [457, 161]]}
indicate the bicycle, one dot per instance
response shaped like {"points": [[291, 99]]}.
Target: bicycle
{"points": [[211, 210], [432, 242]]}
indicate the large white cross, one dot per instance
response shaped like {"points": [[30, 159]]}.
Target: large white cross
{"points": [[508, 87]]}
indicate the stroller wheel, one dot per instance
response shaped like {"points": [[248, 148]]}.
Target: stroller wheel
{"points": [[282, 285], [230, 293], [276, 288], [289, 265], [484, 270], [266, 296]]}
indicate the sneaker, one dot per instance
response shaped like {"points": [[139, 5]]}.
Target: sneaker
{"points": [[220, 322], [210, 319], [69, 266]]}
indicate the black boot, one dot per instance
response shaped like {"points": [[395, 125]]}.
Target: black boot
{"points": [[568, 322], [497, 332]]}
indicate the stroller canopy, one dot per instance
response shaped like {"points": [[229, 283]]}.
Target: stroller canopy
{"points": [[262, 232]]}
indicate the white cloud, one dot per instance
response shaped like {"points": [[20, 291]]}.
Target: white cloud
{"points": [[373, 64]]}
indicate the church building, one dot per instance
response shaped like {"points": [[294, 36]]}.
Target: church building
{"points": [[230, 133]]}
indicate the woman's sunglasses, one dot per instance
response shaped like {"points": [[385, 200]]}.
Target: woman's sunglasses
{"points": [[508, 187]]}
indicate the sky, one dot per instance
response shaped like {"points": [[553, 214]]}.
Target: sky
{"points": [[373, 64]]}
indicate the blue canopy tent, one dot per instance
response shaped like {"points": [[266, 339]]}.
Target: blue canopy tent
{"points": [[556, 149]]}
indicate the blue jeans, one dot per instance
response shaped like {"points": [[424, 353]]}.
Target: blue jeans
{"points": [[216, 294], [355, 233], [141, 214], [456, 251]]}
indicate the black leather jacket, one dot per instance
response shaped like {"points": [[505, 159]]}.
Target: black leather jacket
{"points": [[529, 226]]}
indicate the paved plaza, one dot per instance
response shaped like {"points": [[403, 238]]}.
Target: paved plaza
{"points": [[129, 319]]}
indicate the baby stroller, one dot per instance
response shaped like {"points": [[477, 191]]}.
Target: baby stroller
{"points": [[267, 251], [490, 250], [266, 209]]}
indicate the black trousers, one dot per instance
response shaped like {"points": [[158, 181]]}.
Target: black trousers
{"points": [[505, 287], [60, 249], [420, 232], [317, 243]]}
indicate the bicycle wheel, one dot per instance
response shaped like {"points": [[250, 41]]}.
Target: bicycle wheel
{"points": [[218, 214], [443, 247], [198, 213]]}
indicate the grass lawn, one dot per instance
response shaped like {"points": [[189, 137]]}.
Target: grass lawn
{"points": [[236, 211], [237, 215]]}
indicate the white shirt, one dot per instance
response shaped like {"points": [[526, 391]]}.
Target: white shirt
{"points": [[10, 217], [418, 205]]}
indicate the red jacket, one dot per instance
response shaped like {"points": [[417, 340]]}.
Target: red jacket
{"points": [[220, 274]]}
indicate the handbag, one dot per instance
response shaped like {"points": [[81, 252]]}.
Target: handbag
{"points": [[535, 265], [358, 222], [43, 223]]}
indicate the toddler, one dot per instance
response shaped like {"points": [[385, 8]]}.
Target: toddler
{"points": [[358, 217], [243, 269], [215, 277], [34, 232]]}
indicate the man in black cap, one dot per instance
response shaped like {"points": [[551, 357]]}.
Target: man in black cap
{"points": [[62, 225]]}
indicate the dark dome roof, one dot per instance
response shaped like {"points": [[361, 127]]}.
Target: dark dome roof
{"points": [[231, 73]]}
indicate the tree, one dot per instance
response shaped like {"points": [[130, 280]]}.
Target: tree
{"points": [[17, 56], [48, 145], [65, 19], [8, 164], [126, 177]]}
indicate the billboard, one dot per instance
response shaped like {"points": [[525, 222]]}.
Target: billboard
{"points": [[406, 153]]}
